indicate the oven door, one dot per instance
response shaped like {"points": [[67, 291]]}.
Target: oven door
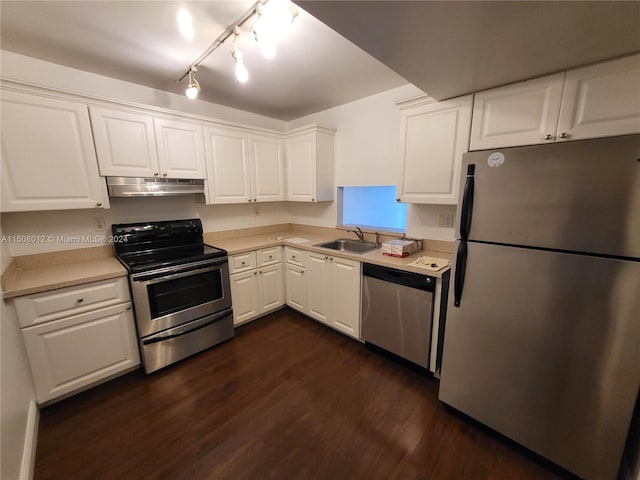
{"points": [[175, 295]]}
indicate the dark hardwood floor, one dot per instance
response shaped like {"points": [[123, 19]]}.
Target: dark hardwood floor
{"points": [[287, 398]]}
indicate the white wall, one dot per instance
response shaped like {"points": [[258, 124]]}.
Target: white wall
{"points": [[79, 223], [33, 71], [16, 390], [367, 152]]}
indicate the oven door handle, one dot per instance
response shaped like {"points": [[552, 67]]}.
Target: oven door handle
{"points": [[166, 274], [188, 328]]}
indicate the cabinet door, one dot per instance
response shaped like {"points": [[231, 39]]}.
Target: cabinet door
{"points": [[267, 169], [125, 143], [524, 113], [601, 101], [434, 137], [345, 285], [180, 149], [270, 291], [244, 296], [228, 178], [318, 287], [66, 355], [296, 287], [301, 168], [48, 156]]}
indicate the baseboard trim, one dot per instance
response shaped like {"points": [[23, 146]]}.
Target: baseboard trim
{"points": [[30, 443]]}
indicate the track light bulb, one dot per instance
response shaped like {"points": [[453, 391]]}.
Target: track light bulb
{"points": [[193, 89], [242, 74]]}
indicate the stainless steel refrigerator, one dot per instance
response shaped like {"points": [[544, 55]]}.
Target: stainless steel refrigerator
{"points": [[542, 338]]}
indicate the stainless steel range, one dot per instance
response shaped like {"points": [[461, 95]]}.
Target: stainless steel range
{"points": [[180, 289]]}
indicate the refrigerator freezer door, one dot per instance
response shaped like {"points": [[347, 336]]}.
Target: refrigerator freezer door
{"points": [[545, 351], [578, 196]]}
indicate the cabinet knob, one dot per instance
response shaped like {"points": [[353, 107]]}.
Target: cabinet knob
{"points": [[80, 300], [293, 256], [155, 174], [99, 204], [270, 257], [331, 259], [397, 199], [128, 307], [255, 273], [564, 135], [255, 199], [164, 174], [326, 257], [248, 199], [242, 263], [548, 136], [313, 199]]}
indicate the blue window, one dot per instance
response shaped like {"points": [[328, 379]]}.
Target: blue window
{"points": [[371, 207]]}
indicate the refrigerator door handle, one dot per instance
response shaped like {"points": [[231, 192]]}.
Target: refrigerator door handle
{"points": [[461, 267], [467, 202]]}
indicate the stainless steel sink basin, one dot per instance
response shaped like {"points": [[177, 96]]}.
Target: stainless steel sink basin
{"points": [[348, 245]]}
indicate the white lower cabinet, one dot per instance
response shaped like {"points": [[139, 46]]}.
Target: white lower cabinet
{"points": [[256, 283], [295, 279], [333, 291], [73, 352]]}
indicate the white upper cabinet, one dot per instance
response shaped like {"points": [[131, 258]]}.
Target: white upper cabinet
{"points": [[180, 148], [598, 101], [48, 156], [434, 135], [520, 114], [267, 168], [310, 165], [601, 101], [227, 153], [243, 167], [125, 143], [133, 144]]}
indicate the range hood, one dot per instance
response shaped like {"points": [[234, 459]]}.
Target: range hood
{"points": [[153, 187]]}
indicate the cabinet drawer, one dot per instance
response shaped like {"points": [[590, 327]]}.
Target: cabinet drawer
{"points": [[269, 256], [294, 256], [63, 302], [242, 262]]}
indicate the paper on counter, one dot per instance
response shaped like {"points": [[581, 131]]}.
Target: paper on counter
{"points": [[430, 263], [297, 240]]}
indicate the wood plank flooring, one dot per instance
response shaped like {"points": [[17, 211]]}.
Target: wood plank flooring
{"points": [[287, 398]]}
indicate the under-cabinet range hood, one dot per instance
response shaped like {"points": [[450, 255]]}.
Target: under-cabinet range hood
{"points": [[153, 187]]}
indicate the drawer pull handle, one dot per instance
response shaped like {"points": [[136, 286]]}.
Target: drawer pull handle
{"points": [[80, 300], [242, 263]]}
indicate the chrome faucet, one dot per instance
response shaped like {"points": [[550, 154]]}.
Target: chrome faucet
{"points": [[359, 233]]}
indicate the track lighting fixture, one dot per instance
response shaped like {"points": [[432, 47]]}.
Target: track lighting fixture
{"points": [[193, 89], [269, 19], [242, 74]]}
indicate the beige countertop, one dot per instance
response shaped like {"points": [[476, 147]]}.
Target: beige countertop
{"points": [[254, 242], [49, 271]]}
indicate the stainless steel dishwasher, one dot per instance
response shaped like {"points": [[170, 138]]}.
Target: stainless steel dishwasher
{"points": [[397, 311]]}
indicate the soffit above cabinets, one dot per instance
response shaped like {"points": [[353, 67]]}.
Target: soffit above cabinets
{"points": [[451, 48]]}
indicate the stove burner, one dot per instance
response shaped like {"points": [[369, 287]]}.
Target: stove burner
{"points": [[152, 245]]}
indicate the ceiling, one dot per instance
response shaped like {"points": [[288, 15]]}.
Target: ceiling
{"points": [[138, 41], [445, 48]]}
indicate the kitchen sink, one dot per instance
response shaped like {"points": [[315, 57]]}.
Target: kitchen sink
{"points": [[348, 245]]}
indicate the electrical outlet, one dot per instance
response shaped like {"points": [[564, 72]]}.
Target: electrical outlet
{"points": [[98, 224], [445, 221]]}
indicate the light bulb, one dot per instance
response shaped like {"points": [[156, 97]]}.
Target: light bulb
{"points": [[192, 91], [242, 74], [267, 47]]}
